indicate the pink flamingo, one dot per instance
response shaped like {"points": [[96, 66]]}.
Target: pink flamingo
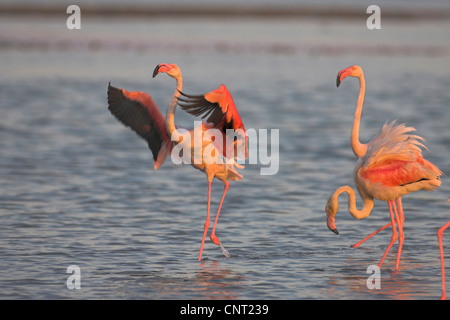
{"points": [[388, 167], [138, 111], [441, 250]]}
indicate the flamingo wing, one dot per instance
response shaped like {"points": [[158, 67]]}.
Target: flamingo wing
{"points": [[394, 158], [138, 111], [401, 173], [219, 109], [217, 105]]}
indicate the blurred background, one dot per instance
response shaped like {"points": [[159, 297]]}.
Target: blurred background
{"points": [[78, 188]]}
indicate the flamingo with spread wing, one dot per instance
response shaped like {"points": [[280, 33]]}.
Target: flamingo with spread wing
{"points": [[138, 111]]}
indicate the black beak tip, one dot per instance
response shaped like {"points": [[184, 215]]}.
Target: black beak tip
{"points": [[155, 72], [338, 81], [335, 231]]}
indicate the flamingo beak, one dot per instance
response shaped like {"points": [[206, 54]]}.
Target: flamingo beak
{"points": [[343, 74], [330, 223], [161, 68], [156, 71]]}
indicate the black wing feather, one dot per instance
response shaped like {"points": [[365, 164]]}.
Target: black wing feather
{"points": [[135, 115], [199, 106]]}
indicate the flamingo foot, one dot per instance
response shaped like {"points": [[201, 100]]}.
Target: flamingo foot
{"points": [[224, 251], [217, 242], [356, 245]]}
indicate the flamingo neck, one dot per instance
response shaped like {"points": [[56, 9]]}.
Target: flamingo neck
{"points": [[358, 148], [358, 214], [170, 118]]}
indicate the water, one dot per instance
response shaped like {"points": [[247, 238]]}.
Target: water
{"points": [[78, 188]]}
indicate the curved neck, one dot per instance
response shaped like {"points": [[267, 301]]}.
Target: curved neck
{"points": [[358, 214], [170, 122], [359, 149]]}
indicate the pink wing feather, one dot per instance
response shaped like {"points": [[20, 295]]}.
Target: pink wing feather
{"points": [[219, 107], [138, 111], [394, 158]]}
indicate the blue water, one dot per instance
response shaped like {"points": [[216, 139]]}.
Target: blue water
{"points": [[78, 188]]}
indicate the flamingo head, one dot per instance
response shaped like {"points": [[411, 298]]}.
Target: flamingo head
{"points": [[353, 71], [171, 69], [331, 210]]}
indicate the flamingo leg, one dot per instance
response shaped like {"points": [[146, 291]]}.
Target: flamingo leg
{"points": [[394, 232], [400, 209], [213, 233], [207, 222], [441, 250], [400, 218], [356, 245]]}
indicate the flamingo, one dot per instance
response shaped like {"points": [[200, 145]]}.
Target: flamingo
{"points": [[138, 111], [388, 167], [440, 233]]}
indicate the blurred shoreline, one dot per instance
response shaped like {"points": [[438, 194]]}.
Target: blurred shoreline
{"points": [[225, 11], [237, 37]]}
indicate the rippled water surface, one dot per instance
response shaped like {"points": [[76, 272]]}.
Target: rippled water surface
{"points": [[78, 188]]}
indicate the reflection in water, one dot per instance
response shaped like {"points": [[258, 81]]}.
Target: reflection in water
{"points": [[352, 279], [217, 282], [210, 281]]}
